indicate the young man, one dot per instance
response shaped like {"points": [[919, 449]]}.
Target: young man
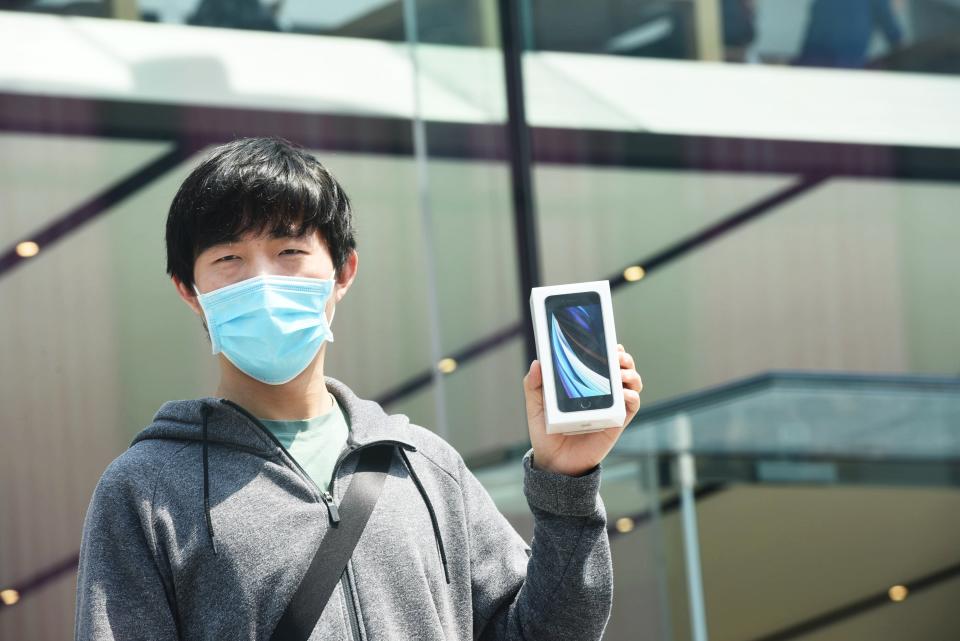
{"points": [[205, 526]]}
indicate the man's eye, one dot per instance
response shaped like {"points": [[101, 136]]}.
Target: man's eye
{"points": [[293, 250], [225, 258]]}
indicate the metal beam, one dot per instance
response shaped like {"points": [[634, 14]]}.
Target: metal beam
{"points": [[861, 606], [650, 263], [204, 125], [95, 206], [521, 177]]}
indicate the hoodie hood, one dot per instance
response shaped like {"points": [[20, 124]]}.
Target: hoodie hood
{"points": [[183, 420], [213, 420]]}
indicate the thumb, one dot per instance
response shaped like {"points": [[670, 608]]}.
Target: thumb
{"points": [[533, 381]]}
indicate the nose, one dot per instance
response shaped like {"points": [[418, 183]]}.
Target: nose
{"points": [[260, 263]]}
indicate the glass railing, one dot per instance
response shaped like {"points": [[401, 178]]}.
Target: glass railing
{"points": [[784, 506], [358, 18], [907, 35]]}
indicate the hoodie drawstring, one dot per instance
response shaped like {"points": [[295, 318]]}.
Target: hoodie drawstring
{"points": [[433, 515], [205, 411]]}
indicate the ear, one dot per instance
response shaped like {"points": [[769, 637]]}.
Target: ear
{"points": [[346, 275], [188, 295]]}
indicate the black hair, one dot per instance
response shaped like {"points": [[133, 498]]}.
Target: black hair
{"points": [[258, 185]]}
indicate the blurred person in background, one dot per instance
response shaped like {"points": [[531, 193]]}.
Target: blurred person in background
{"points": [[236, 14], [204, 527], [739, 29], [839, 32]]}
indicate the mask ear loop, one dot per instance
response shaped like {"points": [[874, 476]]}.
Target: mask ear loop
{"points": [[333, 285], [212, 344], [330, 323]]}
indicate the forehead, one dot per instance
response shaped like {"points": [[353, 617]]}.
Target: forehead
{"points": [[313, 237]]}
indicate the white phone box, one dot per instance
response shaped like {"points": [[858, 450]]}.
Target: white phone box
{"points": [[574, 388]]}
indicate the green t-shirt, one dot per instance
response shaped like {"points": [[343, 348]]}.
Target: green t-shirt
{"points": [[315, 443]]}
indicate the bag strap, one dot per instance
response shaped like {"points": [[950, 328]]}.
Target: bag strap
{"points": [[336, 548]]}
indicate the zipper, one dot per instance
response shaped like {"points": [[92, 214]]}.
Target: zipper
{"points": [[347, 451], [331, 507], [327, 497], [351, 607]]}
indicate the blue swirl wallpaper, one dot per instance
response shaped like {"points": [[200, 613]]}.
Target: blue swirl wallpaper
{"points": [[579, 353]]}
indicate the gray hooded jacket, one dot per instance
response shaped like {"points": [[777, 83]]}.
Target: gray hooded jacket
{"points": [[203, 528]]}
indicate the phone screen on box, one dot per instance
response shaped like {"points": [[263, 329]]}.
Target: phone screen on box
{"points": [[578, 351]]}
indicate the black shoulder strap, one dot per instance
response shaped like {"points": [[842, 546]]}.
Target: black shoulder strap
{"points": [[303, 611]]}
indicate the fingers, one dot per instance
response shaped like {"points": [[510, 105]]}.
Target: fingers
{"points": [[629, 375], [631, 380], [631, 401], [534, 377], [628, 371]]}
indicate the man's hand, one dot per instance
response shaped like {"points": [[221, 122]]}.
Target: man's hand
{"points": [[578, 454]]}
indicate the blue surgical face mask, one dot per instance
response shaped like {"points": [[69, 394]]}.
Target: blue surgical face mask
{"points": [[270, 327]]}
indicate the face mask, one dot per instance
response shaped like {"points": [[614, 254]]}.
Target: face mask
{"points": [[270, 327]]}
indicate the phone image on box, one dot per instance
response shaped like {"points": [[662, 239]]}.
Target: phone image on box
{"points": [[578, 351]]}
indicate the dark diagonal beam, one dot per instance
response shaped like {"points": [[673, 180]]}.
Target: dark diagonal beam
{"points": [[649, 263], [95, 206], [37, 581], [709, 234], [861, 606]]}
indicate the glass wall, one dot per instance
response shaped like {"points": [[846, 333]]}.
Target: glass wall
{"points": [[783, 506], [898, 35], [750, 218]]}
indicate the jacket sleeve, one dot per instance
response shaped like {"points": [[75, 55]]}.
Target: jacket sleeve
{"points": [[558, 588], [120, 593]]}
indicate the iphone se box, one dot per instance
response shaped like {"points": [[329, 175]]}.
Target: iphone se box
{"points": [[577, 350]]}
